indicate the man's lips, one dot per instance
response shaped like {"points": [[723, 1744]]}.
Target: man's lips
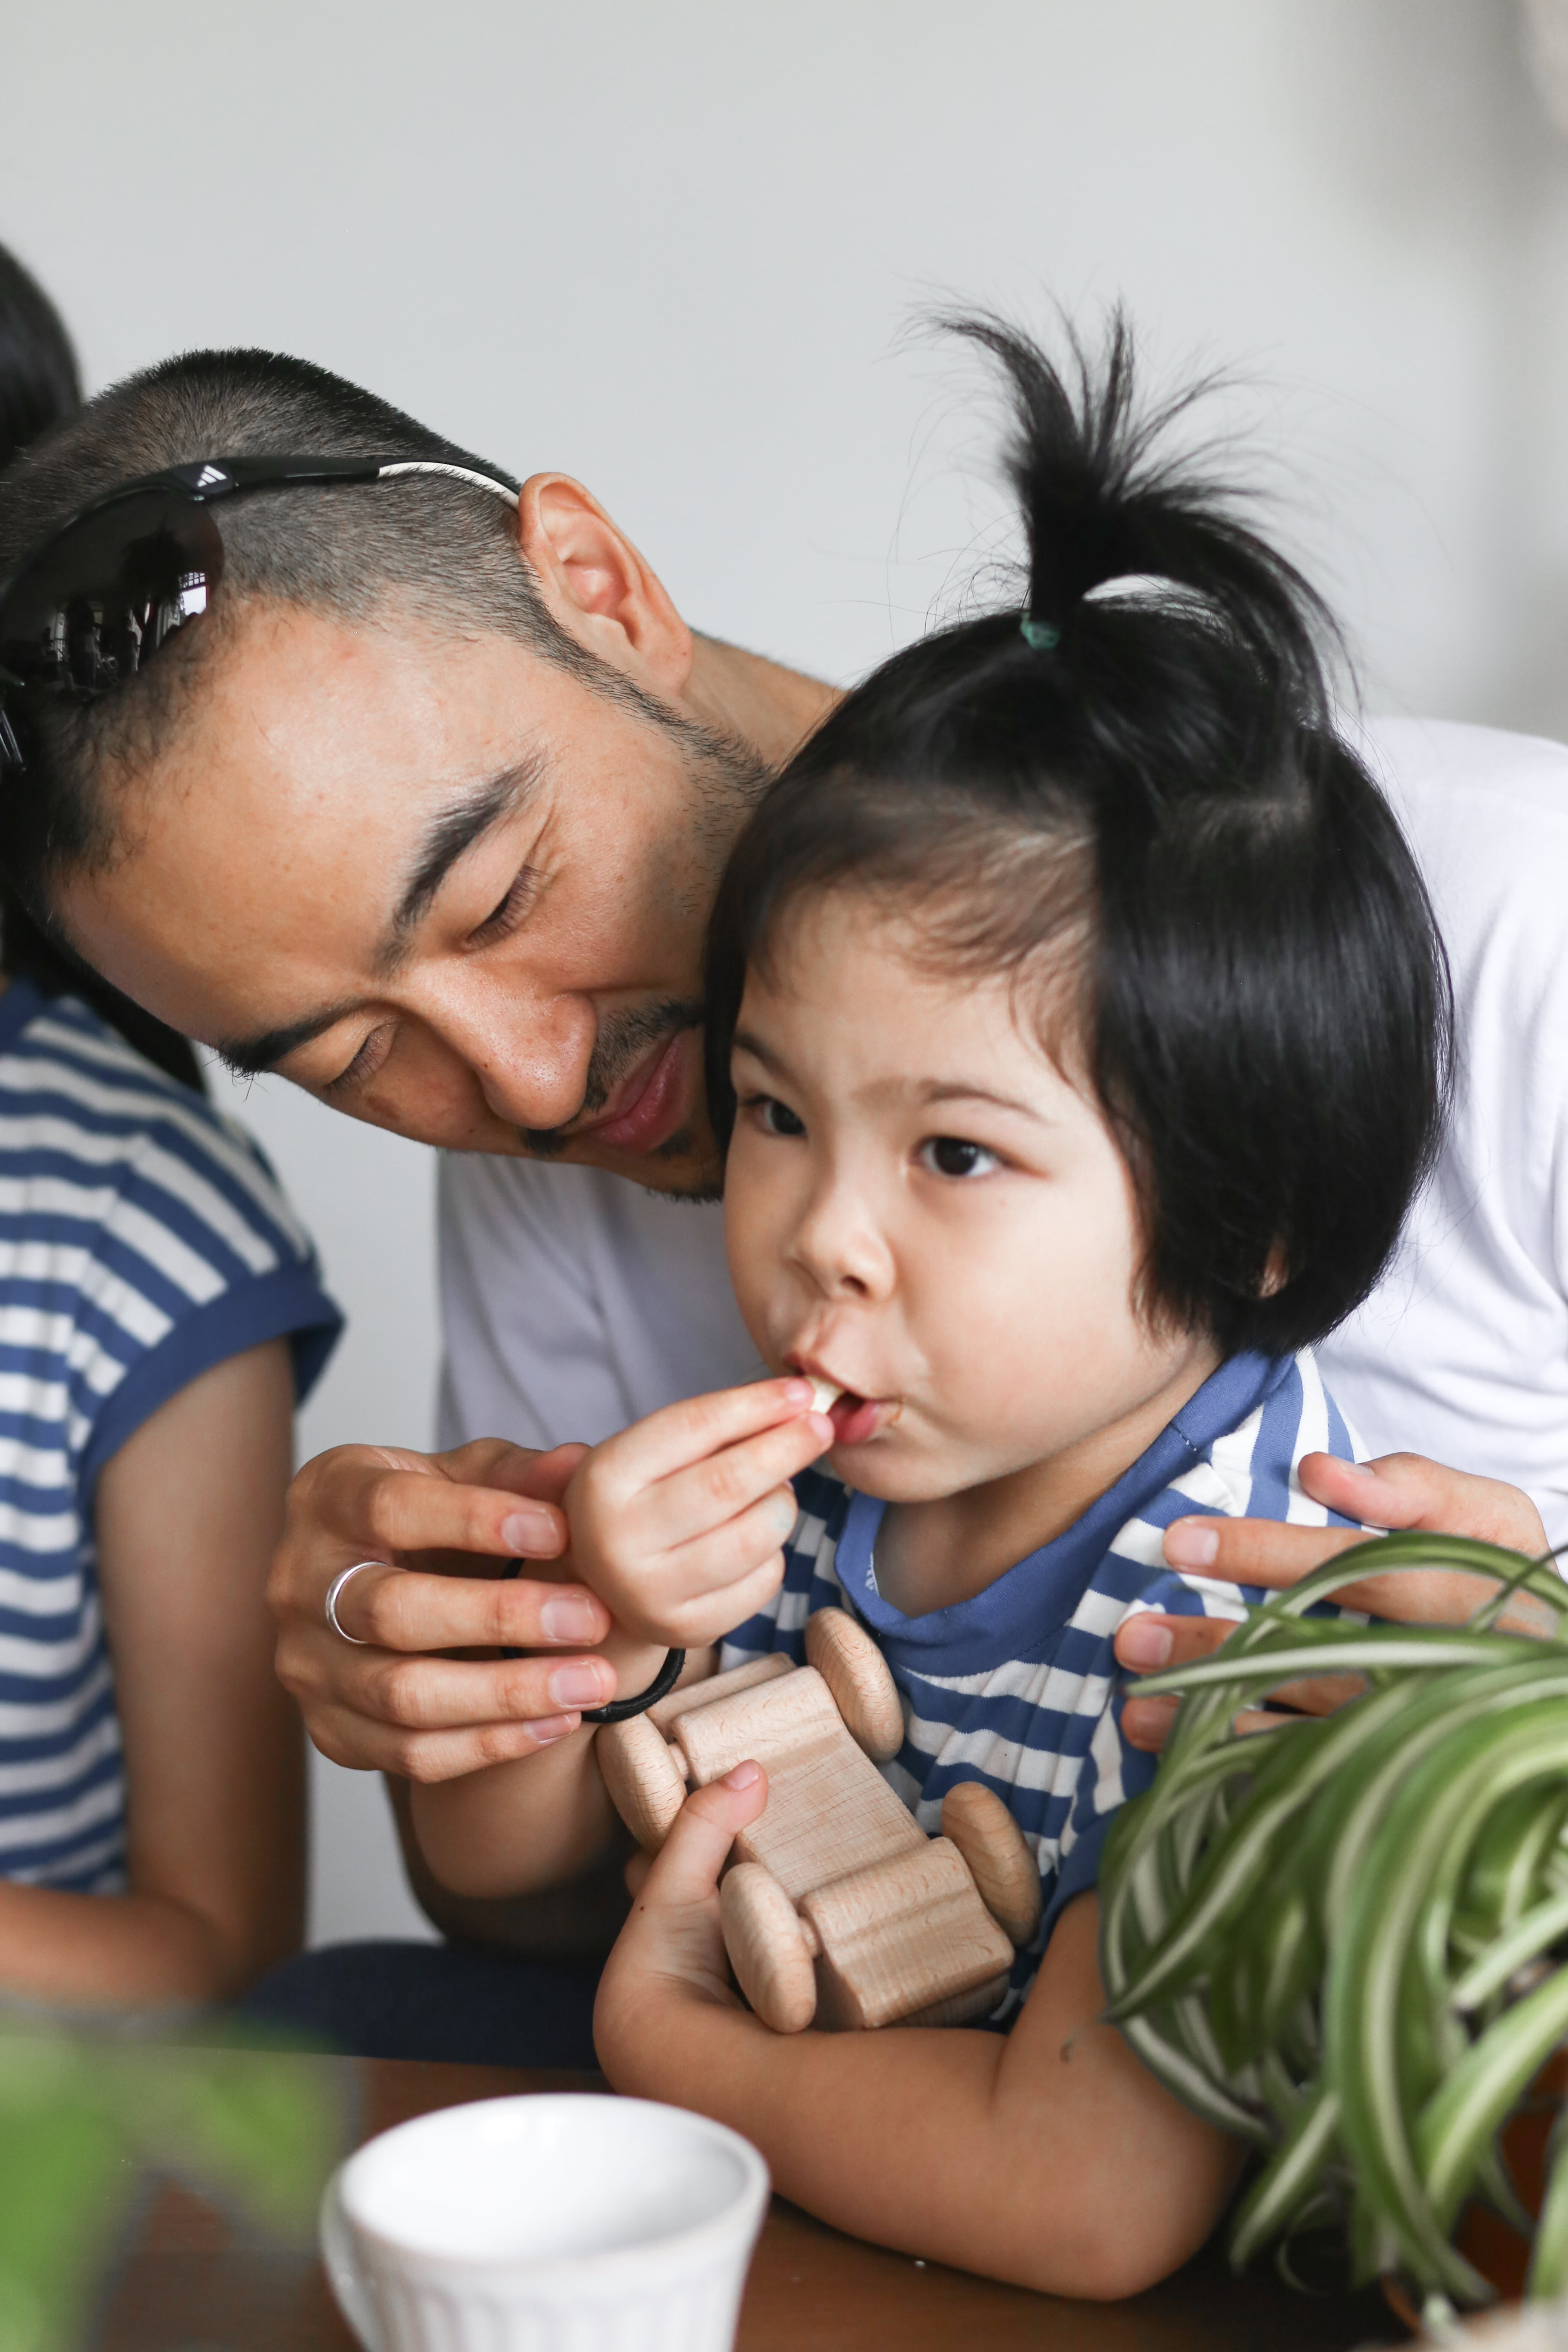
{"points": [[651, 1103]]}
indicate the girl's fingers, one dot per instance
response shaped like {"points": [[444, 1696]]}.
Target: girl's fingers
{"points": [[711, 1562], [399, 1609], [710, 1616], [713, 1494], [687, 1865], [681, 1435]]}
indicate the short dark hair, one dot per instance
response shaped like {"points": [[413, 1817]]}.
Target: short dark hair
{"points": [[445, 549], [40, 381], [1148, 788], [39, 386]]}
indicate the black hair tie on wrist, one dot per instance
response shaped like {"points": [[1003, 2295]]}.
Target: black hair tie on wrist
{"points": [[620, 1710]]}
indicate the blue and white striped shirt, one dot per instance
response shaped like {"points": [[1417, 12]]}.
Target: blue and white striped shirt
{"points": [[1019, 1687], [143, 1240]]}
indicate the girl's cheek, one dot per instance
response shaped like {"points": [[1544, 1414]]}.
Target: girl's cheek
{"points": [[755, 1225]]}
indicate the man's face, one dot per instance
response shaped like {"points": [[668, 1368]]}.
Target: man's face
{"points": [[442, 885]]}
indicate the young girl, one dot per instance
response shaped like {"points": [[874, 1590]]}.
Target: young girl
{"points": [[160, 1309], [1082, 1025]]}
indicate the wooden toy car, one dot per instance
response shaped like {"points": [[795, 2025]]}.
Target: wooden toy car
{"points": [[836, 1906]]}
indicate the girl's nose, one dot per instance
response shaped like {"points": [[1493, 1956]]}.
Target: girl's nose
{"points": [[842, 1245]]}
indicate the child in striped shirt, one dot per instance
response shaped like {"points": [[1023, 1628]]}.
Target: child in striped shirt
{"points": [[1078, 1036]]}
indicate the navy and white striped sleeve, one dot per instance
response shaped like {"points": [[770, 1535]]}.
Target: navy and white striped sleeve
{"points": [[143, 1238]]}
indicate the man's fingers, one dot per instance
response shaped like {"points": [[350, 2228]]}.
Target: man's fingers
{"points": [[1253, 1551], [1401, 1490], [1405, 1490], [1319, 1695], [1146, 1723], [399, 1609], [1146, 1643], [689, 1863]]}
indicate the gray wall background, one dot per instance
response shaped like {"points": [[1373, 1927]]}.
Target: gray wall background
{"points": [[677, 251]]}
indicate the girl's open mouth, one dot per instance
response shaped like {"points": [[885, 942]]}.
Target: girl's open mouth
{"points": [[853, 1418]]}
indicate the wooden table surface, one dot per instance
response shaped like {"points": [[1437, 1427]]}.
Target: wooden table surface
{"points": [[189, 2286]]}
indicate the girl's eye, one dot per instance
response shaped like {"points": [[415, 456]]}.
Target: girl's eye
{"points": [[510, 911], [949, 1155], [773, 1117]]}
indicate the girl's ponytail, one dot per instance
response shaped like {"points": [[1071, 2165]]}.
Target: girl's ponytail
{"points": [[1108, 520]]}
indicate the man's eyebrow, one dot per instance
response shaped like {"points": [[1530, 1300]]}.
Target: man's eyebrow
{"points": [[447, 838]]}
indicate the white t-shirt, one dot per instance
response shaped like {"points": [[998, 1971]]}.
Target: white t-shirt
{"points": [[574, 1302]]}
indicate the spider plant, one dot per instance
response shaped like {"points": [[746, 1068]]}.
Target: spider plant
{"points": [[1346, 1938]]}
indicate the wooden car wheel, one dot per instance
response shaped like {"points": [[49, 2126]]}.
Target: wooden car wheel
{"points": [[1005, 1874], [859, 1678], [768, 1948], [643, 1775]]}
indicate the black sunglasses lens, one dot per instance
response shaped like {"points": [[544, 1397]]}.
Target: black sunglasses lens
{"points": [[100, 599]]}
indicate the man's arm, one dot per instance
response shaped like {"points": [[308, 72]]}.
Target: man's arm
{"points": [[1050, 2157], [1402, 1490]]}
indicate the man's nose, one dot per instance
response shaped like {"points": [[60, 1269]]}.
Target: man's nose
{"points": [[841, 1242], [530, 1056]]}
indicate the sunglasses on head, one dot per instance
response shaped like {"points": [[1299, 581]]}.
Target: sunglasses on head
{"points": [[92, 605]]}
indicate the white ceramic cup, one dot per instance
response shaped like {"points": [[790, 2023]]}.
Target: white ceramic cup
{"points": [[561, 2223]]}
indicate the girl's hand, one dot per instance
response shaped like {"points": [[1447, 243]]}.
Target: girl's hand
{"points": [[678, 1524], [672, 1947]]}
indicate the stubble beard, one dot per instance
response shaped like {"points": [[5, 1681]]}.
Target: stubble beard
{"points": [[725, 778]]}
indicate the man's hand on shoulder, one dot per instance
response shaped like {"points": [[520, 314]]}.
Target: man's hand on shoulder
{"points": [[1402, 1490]]}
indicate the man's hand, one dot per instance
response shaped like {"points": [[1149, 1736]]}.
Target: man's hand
{"points": [[679, 1523], [1402, 1490], [444, 1523]]}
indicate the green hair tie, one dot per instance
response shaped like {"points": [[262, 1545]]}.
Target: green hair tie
{"points": [[1039, 634]]}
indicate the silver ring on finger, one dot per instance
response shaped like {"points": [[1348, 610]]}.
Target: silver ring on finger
{"points": [[334, 1592]]}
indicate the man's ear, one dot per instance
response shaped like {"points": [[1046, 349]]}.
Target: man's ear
{"points": [[599, 588]]}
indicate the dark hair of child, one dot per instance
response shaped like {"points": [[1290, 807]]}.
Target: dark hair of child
{"points": [[1136, 803], [39, 383]]}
